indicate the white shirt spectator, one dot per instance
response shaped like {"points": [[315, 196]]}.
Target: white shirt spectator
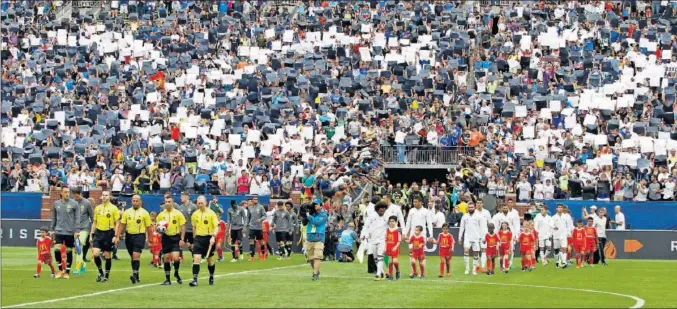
{"points": [[545, 175], [254, 186], [539, 191], [642, 194], [73, 180], [84, 180], [620, 221], [264, 188], [439, 219], [165, 180], [432, 138], [668, 189], [341, 181], [207, 164], [549, 191], [117, 182], [525, 190]]}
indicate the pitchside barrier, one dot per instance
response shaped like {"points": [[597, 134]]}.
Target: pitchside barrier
{"points": [[639, 215], [630, 244]]}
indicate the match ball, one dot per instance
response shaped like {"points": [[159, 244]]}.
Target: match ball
{"points": [[162, 227]]}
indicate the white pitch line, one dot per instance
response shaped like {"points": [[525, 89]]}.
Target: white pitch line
{"points": [[141, 286], [93, 270], [639, 302]]}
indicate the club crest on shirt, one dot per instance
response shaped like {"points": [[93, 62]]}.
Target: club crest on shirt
{"points": [[107, 215], [173, 221], [206, 221], [138, 220]]}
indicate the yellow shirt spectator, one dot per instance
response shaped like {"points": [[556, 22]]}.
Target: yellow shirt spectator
{"points": [[564, 183], [463, 207]]}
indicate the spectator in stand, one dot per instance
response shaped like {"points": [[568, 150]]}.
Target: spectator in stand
{"points": [[619, 219], [455, 217], [533, 103], [439, 217]]}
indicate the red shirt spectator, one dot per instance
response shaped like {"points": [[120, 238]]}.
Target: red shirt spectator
{"points": [[243, 183], [176, 134]]}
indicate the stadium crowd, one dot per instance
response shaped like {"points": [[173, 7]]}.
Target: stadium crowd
{"points": [[554, 100]]}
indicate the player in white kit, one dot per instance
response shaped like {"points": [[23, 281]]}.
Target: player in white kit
{"points": [[543, 226], [471, 234], [560, 232], [375, 232], [483, 245], [515, 226]]}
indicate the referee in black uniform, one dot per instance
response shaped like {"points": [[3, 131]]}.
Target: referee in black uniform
{"points": [[136, 223]]}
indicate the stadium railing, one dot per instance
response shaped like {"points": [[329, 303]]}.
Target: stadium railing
{"points": [[413, 154], [64, 10]]}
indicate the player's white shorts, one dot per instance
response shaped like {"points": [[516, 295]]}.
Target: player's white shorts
{"points": [[472, 245], [483, 245], [544, 243], [378, 248], [559, 243]]}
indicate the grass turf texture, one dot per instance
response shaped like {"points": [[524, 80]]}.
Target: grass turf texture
{"points": [[287, 283]]}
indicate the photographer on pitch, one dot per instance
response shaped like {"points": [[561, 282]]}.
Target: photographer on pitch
{"points": [[315, 218]]}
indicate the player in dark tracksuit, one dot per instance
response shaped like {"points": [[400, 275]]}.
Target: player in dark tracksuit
{"points": [[282, 224], [257, 214], [187, 208], [237, 217], [65, 224]]}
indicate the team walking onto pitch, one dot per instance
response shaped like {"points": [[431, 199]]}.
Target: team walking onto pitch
{"points": [[197, 227]]}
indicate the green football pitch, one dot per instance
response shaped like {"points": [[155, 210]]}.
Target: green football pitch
{"points": [[287, 283]]}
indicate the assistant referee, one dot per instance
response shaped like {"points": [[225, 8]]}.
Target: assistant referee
{"points": [[205, 226], [106, 219], [136, 223], [172, 239]]}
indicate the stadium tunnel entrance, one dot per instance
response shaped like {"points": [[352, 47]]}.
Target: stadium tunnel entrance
{"points": [[409, 175]]}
